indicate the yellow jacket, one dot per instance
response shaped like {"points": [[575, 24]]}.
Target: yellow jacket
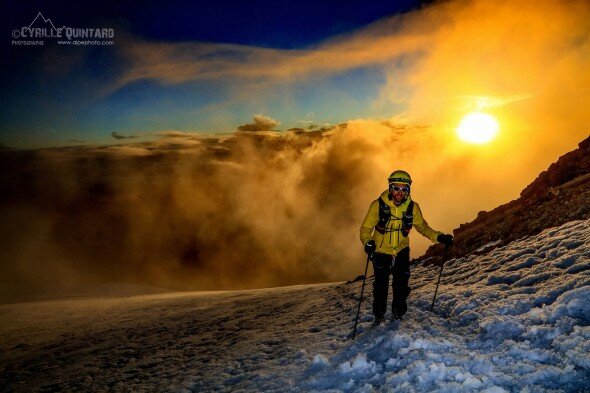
{"points": [[392, 241]]}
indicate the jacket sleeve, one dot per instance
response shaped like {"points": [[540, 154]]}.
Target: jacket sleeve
{"points": [[422, 226], [369, 222]]}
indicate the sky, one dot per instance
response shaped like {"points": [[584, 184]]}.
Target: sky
{"points": [[54, 94], [187, 108], [210, 67]]}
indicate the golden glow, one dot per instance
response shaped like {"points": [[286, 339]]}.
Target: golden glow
{"points": [[478, 128]]}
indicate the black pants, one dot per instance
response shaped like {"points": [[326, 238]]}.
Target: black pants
{"points": [[384, 265]]}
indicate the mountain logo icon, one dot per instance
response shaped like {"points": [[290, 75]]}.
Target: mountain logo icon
{"points": [[42, 22]]}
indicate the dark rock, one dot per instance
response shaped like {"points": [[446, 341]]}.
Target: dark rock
{"points": [[558, 195]]}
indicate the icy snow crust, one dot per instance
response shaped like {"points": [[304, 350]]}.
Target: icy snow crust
{"points": [[514, 319]]}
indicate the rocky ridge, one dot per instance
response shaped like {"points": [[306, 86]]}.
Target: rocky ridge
{"points": [[558, 195]]}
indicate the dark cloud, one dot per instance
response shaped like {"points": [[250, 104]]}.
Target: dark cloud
{"points": [[116, 135], [178, 134]]}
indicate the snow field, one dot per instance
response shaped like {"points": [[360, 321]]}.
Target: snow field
{"points": [[514, 319], [255, 340]]}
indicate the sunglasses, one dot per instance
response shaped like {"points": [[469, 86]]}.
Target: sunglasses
{"points": [[397, 188]]}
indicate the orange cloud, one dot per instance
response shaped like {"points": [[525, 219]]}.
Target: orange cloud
{"points": [[260, 123], [183, 62], [525, 61]]}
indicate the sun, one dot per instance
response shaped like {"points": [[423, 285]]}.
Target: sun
{"points": [[478, 128]]}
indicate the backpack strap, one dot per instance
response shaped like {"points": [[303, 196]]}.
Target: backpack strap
{"points": [[408, 219], [384, 216]]}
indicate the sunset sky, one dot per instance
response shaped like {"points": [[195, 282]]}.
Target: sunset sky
{"points": [[211, 66], [386, 84]]}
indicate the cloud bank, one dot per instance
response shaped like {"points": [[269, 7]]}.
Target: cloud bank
{"points": [[252, 209], [240, 211]]}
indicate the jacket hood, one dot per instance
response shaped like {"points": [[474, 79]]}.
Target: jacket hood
{"points": [[385, 197]]}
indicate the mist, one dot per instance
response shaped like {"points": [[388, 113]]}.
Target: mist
{"points": [[252, 209]]}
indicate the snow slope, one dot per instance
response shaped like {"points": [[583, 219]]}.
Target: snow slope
{"points": [[513, 319]]}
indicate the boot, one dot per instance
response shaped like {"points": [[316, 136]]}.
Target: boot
{"points": [[378, 320]]}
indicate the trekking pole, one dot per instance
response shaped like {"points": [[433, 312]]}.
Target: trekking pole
{"points": [[361, 299], [439, 275]]}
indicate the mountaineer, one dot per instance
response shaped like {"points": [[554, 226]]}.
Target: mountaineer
{"points": [[384, 234]]}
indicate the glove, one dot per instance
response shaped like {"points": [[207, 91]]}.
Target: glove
{"points": [[447, 240], [370, 247]]}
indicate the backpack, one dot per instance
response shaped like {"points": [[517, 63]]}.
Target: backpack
{"points": [[385, 217]]}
